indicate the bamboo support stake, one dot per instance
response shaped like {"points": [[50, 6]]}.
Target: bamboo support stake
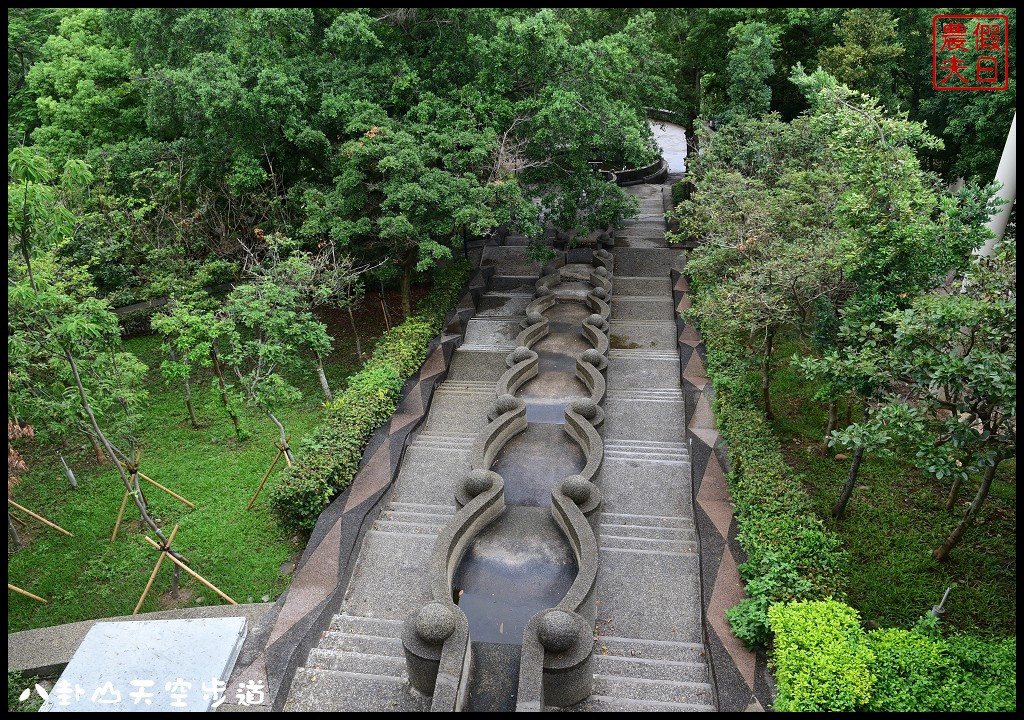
{"points": [[26, 593], [169, 492], [152, 576], [17, 519], [265, 476], [189, 570], [154, 482], [40, 518], [120, 514], [285, 449]]}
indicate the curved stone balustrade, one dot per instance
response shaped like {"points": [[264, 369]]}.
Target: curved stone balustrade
{"points": [[588, 370], [556, 667], [522, 366], [505, 425], [556, 651], [436, 637]]}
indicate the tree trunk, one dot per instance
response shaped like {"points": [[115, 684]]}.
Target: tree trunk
{"points": [[140, 502], [323, 378], [833, 420], [188, 393], [849, 412], [355, 332], [942, 552], [13, 532], [82, 396], [100, 457], [175, 581], [67, 470], [954, 493], [224, 391], [284, 437], [766, 376], [406, 286], [188, 404], [851, 479]]}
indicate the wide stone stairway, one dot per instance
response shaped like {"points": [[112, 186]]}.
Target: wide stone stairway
{"points": [[648, 651]]}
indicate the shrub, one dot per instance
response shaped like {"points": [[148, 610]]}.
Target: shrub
{"points": [[329, 458], [825, 661], [136, 322], [681, 191], [821, 660], [791, 554]]}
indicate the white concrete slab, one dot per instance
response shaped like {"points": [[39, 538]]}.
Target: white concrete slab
{"points": [[153, 666]]}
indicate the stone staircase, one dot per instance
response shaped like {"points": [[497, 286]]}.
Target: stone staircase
{"points": [[648, 653]]}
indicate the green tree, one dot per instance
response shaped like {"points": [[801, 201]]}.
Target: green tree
{"points": [[83, 87], [27, 30], [764, 209], [750, 67], [271, 328], [51, 328], [870, 57]]}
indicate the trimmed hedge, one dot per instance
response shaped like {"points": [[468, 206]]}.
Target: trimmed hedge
{"points": [[791, 554], [825, 660], [329, 458]]}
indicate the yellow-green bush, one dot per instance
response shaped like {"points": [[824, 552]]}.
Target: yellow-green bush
{"points": [[825, 660], [821, 660]]}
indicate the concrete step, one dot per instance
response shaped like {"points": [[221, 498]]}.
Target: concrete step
{"points": [[647, 532], [672, 650], [359, 625], [646, 668], [406, 532], [408, 527], [440, 441], [364, 664], [642, 287], [502, 349], [620, 543], [642, 353], [645, 457], [668, 691], [317, 690], [606, 703], [655, 395], [444, 511], [660, 445], [364, 644], [666, 521], [646, 451]]}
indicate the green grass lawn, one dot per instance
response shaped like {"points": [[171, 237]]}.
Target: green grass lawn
{"points": [[88, 576], [895, 518]]}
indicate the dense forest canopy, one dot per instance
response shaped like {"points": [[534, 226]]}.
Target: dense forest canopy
{"points": [[395, 133]]}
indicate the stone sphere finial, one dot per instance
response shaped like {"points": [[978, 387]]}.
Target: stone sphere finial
{"points": [[585, 407], [477, 481], [595, 320], [503, 404], [435, 623], [557, 631], [592, 357], [577, 489]]}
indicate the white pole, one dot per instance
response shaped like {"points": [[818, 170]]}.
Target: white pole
{"points": [[1007, 176]]}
